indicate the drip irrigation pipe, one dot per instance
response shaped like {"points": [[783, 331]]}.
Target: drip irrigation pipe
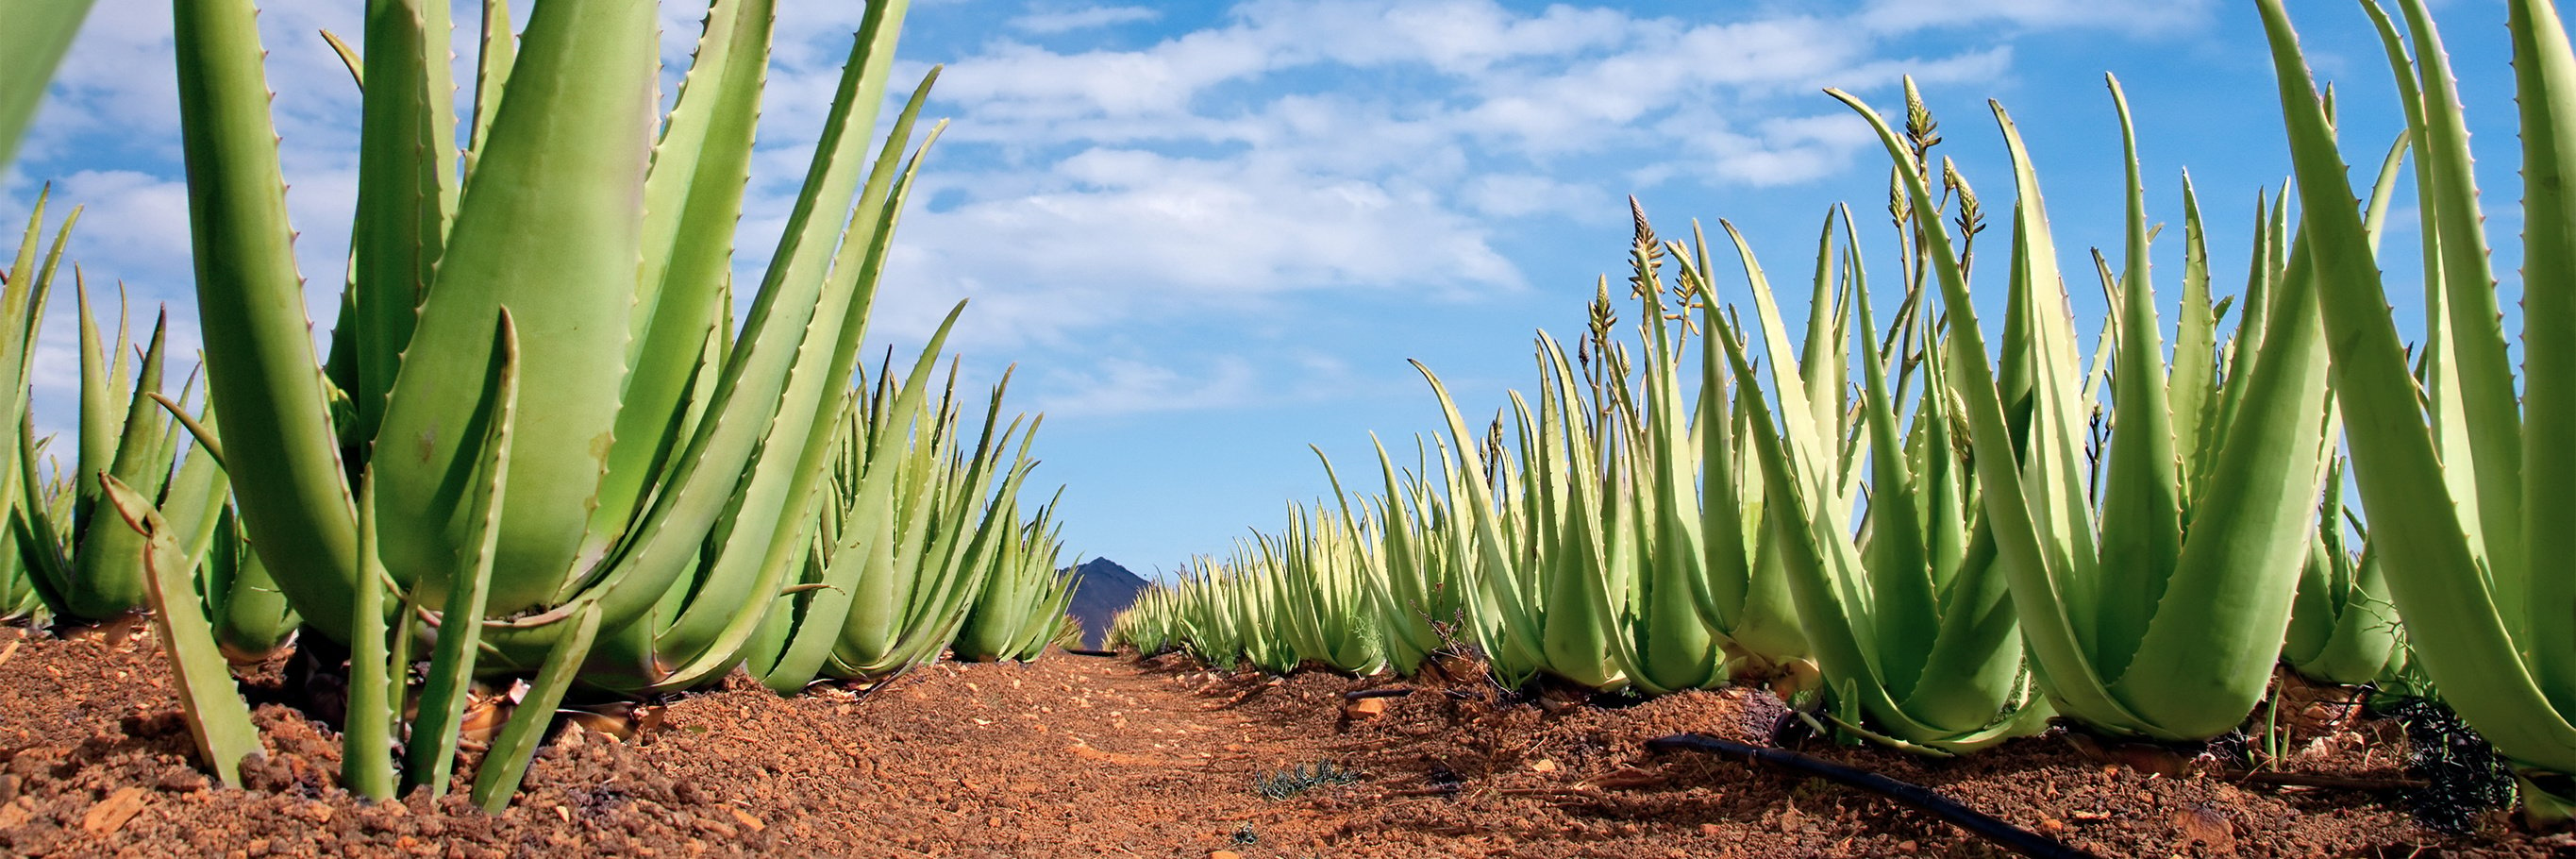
{"points": [[1103, 654], [2292, 779], [2011, 837], [1365, 694]]}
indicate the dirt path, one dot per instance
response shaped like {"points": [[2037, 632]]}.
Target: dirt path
{"points": [[1100, 757]]}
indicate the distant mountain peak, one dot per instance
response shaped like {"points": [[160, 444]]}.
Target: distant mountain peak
{"points": [[1105, 590]]}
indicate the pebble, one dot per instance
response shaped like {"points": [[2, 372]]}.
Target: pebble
{"points": [[111, 814]]}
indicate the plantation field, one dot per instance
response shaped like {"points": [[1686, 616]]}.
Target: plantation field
{"points": [[584, 535], [1159, 757]]}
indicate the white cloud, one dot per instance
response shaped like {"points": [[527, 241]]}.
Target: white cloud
{"points": [[2127, 15], [1187, 233], [1084, 18], [1519, 195], [1293, 147], [133, 225], [1344, 145], [1121, 386]]}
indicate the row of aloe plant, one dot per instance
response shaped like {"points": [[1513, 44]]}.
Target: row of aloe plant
{"points": [[1982, 532], [63, 558], [540, 439]]}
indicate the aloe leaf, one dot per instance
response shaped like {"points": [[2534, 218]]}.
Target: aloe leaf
{"points": [[2035, 557], [2195, 367], [548, 228], [348, 59], [692, 196], [1897, 563], [2141, 519], [39, 34], [259, 356], [507, 762], [432, 750], [2050, 443], [1681, 645], [2483, 369], [366, 741], [257, 621], [101, 423], [107, 566], [2545, 77], [2448, 415], [194, 500], [218, 718], [406, 182], [497, 52], [36, 527]]}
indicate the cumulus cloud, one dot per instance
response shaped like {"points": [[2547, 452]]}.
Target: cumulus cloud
{"points": [[1129, 386], [1520, 195], [2127, 15], [1283, 148], [1088, 17]]}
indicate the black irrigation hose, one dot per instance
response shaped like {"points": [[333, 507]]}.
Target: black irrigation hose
{"points": [[2012, 837], [1365, 694], [1104, 654]]}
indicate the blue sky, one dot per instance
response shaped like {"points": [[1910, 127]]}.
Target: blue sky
{"points": [[1210, 234]]}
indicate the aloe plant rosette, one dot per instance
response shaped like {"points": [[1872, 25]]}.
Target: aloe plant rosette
{"points": [[536, 399], [1913, 628], [2465, 482], [25, 594], [2159, 613]]}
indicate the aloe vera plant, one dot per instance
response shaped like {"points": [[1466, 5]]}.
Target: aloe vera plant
{"points": [[1586, 554], [2160, 613], [1907, 608], [1315, 576], [2343, 628], [1397, 593], [1214, 613], [1151, 624], [1614, 545], [1362, 586], [70, 558], [2464, 480], [24, 595], [92, 561], [1414, 581], [670, 447], [1022, 607], [912, 525]]}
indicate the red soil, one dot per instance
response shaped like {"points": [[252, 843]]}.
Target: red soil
{"points": [[1079, 756]]}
